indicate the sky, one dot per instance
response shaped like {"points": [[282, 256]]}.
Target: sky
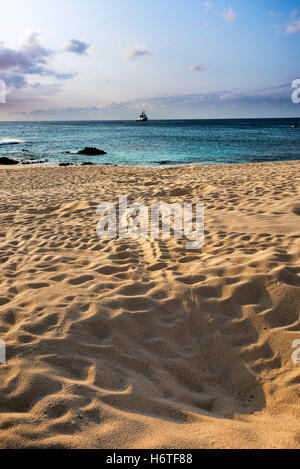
{"points": [[111, 59]]}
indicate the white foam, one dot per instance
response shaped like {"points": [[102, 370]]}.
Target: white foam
{"points": [[10, 141]]}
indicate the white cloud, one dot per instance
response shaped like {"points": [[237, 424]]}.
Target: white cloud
{"points": [[77, 47], [293, 13], [251, 98], [229, 15], [134, 52], [198, 67], [31, 58], [293, 28], [226, 96], [207, 5], [274, 13]]}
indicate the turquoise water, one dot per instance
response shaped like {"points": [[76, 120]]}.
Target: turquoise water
{"points": [[148, 144]]}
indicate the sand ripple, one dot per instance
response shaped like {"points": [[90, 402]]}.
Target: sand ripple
{"points": [[123, 343]]}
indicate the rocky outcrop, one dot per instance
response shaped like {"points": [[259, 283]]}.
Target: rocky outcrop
{"points": [[7, 161], [91, 151]]}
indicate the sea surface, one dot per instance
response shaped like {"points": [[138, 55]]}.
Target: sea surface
{"points": [[171, 142]]}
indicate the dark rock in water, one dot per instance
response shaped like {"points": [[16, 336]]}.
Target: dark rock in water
{"points": [[66, 164], [87, 164], [7, 161], [165, 162], [25, 151], [91, 151]]}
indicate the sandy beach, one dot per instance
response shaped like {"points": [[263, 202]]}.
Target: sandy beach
{"points": [[141, 343]]}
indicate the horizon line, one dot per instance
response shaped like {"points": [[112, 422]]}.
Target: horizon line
{"points": [[150, 120]]}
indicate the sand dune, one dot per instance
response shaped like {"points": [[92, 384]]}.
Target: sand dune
{"points": [[141, 343]]}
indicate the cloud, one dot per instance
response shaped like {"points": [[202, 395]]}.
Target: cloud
{"points": [[293, 13], [53, 111], [134, 52], [293, 27], [261, 98], [226, 96], [13, 80], [77, 47], [198, 67], [229, 15], [274, 13], [31, 58], [25, 98], [207, 5]]}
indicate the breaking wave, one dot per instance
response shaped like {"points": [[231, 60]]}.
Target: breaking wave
{"points": [[10, 141]]}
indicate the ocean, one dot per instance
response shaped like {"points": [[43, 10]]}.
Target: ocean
{"points": [[171, 142]]}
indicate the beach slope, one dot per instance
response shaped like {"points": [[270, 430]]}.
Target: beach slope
{"points": [[141, 343]]}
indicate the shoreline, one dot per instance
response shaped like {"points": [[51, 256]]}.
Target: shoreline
{"points": [[160, 167]]}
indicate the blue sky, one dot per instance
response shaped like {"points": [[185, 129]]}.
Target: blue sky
{"points": [[108, 59]]}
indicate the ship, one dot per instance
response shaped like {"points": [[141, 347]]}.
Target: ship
{"points": [[142, 117]]}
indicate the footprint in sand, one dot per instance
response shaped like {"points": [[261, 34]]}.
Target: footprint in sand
{"points": [[80, 280]]}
